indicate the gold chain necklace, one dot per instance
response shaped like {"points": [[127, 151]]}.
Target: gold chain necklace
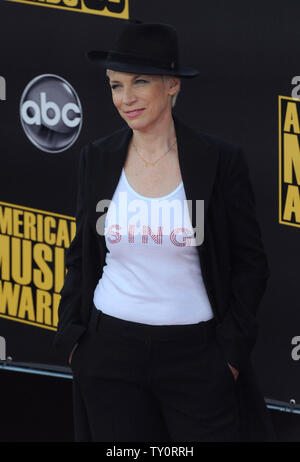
{"points": [[156, 161]]}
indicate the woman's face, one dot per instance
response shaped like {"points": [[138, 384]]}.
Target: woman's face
{"points": [[147, 93]]}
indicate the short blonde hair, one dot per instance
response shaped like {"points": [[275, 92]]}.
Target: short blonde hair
{"points": [[165, 79]]}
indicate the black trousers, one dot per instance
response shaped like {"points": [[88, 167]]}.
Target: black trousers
{"points": [[135, 382]]}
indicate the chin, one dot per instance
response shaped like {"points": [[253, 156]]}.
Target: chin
{"points": [[137, 124]]}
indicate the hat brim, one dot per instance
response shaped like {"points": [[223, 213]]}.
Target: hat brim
{"points": [[99, 58]]}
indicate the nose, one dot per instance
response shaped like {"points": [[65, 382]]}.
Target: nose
{"points": [[128, 96]]}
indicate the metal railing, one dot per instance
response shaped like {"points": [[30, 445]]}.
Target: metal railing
{"points": [[66, 373]]}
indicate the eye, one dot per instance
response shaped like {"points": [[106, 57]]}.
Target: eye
{"points": [[137, 81]]}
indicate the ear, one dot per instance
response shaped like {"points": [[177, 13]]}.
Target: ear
{"points": [[174, 85]]}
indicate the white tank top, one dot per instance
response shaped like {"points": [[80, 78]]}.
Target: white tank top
{"points": [[152, 274]]}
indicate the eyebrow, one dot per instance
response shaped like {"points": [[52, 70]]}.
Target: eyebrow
{"points": [[117, 81]]}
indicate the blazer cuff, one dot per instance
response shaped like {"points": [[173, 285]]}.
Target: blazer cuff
{"points": [[65, 340]]}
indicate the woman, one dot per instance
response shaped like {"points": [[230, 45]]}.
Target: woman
{"points": [[157, 317]]}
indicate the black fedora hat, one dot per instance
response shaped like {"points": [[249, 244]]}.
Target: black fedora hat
{"points": [[146, 48]]}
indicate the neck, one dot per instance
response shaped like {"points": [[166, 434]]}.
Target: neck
{"points": [[155, 138]]}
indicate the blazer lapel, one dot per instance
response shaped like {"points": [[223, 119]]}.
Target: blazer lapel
{"points": [[197, 158], [198, 163]]}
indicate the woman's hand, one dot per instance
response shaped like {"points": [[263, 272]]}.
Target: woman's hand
{"points": [[71, 354], [234, 371]]}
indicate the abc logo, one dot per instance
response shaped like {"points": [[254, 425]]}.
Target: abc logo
{"points": [[51, 113]]}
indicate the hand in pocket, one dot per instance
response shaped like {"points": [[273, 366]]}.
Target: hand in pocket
{"points": [[234, 371], [71, 354]]}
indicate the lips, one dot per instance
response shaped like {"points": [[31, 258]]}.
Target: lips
{"points": [[134, 113], [134, 110]]}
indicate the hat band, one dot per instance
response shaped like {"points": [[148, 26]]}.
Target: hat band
{"points": [[132, 58]]}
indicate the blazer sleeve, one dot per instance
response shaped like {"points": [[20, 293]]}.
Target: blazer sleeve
{"points": [[238, 331], [70, 326]]}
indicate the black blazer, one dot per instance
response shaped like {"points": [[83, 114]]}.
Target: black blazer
{"points": [[233, 261]]}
